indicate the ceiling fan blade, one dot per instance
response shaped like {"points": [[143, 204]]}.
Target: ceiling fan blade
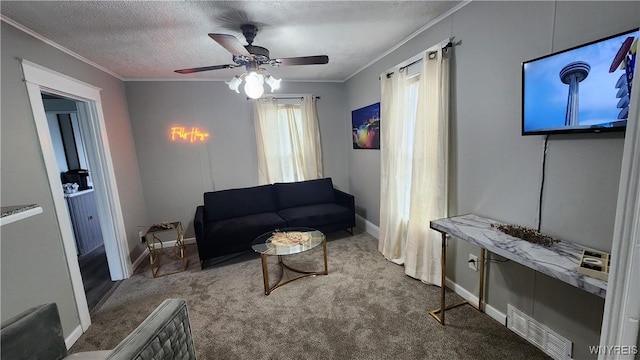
{"points": [[231, 43], [205, 68], [302, 60]]}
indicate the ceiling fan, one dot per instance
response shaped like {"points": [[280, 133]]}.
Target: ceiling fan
{"points": [[251, 56]]}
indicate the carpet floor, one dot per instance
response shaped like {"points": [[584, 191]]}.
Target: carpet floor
{"points": [[366, 308]]}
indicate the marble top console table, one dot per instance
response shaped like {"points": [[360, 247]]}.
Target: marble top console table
{"points": [[18, 212], [559, 260]]}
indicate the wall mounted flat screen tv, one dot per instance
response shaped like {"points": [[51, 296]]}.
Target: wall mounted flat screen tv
{"points": [[583, 89]]}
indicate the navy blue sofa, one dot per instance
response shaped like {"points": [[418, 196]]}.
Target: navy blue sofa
{"points": [[230, 220]]}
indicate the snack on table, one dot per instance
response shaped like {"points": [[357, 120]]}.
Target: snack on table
{"points": [[289, 238]]}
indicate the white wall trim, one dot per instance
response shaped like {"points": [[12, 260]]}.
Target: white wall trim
{"points": [[58, 82], [38, 79], [620, 323], [494, 313], [414, 34], [56, 45], [145, 254], [59, 202], [369, 227], [73, 337], [94, 133]]}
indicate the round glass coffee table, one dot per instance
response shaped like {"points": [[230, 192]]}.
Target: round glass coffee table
{"points": [[288, 241]]}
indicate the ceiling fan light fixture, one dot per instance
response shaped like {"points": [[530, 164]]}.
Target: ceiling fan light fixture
{"points": [[234, 83], [273, 82], [253, 85], [254, 77]]}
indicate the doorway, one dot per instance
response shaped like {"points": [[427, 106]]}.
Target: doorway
{"points": [[77, 187], [39, 79]]}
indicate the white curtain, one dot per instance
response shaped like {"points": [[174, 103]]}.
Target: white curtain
{"points": [[288, 141], [414, 165], [394, 171]]}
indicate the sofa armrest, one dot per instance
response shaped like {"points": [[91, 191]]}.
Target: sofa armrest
{"points": [[89, 355], [34, 334], [198, 223], [344, 199], [164, 335]]}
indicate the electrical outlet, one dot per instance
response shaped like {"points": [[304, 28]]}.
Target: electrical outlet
{"points": [[142, 237], [473, 262]]}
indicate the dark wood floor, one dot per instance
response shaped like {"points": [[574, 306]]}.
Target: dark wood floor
{"points": [[95, 276]]}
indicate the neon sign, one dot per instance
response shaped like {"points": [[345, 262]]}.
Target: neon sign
{"points": [[191, 135]]}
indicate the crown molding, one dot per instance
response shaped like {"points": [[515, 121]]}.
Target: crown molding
{"points": [[413, 35], [55, 45]]}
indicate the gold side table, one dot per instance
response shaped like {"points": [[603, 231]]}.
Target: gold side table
{"points": [[156, 247]]}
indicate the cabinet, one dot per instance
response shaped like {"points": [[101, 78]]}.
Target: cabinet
{"points": [[84, 219]]}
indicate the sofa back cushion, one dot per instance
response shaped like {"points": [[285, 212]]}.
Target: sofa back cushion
{"points": [[34, 334], [232, 203], [303, 193]]}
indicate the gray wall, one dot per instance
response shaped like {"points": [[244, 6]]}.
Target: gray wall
{"points": [[33, 264], [176, 174], [496, 172]]}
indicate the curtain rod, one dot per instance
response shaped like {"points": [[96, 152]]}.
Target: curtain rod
{"points": [[431, 56], [286, 97]]}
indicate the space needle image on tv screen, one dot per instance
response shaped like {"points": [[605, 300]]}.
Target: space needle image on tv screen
{"points": [[584, 88]]}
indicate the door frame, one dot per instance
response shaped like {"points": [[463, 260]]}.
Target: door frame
{"points": [[620, 326], [40, 79]]}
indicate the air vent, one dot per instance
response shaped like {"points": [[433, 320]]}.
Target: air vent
{"points": [[539, 335]]}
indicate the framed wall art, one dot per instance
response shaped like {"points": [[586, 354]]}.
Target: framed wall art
{"points": [[365, 124]]}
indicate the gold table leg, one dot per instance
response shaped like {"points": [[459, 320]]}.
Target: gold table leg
{"points": [[324, 248], [265, 274], [179, 251], [154, 254], [154, 261], [444, 308], [265, 271]]}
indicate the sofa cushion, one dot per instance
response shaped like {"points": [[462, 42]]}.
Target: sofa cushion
{"points": [[315, 215], [242, 229], [227, 204], [302, 193], [36, 333]]}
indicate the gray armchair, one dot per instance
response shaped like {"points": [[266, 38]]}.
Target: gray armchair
{"points": [[37, 334]]}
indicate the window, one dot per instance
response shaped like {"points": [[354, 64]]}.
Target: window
{"points": [[407, 144], [288, 140], [288, 126]]}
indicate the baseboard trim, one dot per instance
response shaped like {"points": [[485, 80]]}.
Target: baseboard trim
{"points": [[369, 227], [494, 313], [473, 299], [145, 254], [73, 337]]}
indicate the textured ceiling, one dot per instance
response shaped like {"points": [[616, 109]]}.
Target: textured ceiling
{"points": [[150, 39]]}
